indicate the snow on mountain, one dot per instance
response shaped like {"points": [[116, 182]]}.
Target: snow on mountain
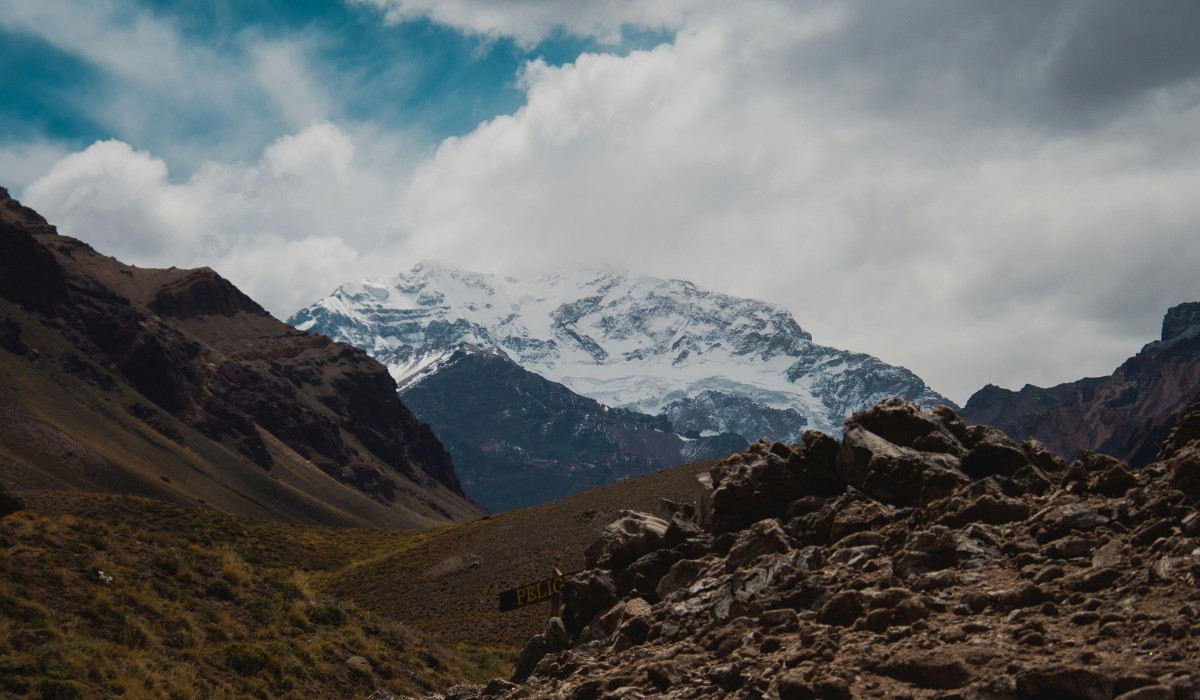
{"points": [[657, 346]]}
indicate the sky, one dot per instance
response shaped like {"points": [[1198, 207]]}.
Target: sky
{"points": [[989, 192]]}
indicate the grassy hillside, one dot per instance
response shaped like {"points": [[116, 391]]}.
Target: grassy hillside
{"points": [[129, 597], [112, 595]]}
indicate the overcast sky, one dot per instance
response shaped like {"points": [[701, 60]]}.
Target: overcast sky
{"points": [[1001, 192]]}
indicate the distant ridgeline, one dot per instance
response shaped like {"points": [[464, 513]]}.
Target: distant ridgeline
{"points": [[544, 387], [1126, 414]]}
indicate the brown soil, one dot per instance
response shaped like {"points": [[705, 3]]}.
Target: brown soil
{"points": [[514, 548]]}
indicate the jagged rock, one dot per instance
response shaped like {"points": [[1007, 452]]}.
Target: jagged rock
{"points": [[1107, 475], [626, 539], [554, 639], [680, 529], [631, 618], [763, 537], [1186, 432], [894, 474], [684, 573], [763, 481], [906, 424], [497, 686], [842, 609], [1060, 521], [586, 594], [990, 507], [642, 576], [1029, 582], [860, 516]]}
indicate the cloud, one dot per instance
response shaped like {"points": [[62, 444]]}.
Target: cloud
{"points": [[188, 98], [958, 188], [531, 21], [22, 163], [909, 182], [286, 229]]}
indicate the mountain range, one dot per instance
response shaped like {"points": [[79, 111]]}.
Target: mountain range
{"points": [[1126, 414], [708, 366], [174, 385]]}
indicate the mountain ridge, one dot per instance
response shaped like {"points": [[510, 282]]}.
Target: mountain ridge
{"points": [[1126, 414], [173, 384], [628, 341]]}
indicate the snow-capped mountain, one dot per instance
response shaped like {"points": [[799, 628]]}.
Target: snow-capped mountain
{"points": [[710, 362]]}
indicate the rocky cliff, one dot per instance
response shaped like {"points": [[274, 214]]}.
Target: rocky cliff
{"points": [[1126, 414], [916, 557], [174, 384]]}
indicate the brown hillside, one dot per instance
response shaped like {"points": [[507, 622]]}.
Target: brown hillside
{"points": [[174, 385], [513, 548]]}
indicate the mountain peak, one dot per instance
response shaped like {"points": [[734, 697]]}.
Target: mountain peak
{"points": [[624, 339], [1180, 319]]}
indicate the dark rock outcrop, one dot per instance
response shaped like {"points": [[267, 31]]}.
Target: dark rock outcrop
{"points": [[909, 576]]}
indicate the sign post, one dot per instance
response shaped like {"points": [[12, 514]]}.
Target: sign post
{"points": [[548, 589]]}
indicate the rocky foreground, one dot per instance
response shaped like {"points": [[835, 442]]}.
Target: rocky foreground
{"points": [[917, 558]]}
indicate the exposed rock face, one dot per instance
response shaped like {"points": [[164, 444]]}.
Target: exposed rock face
{"points": [[188, 355], [1021, 577], [519, 439], [1180, 320], [1126, 415]]}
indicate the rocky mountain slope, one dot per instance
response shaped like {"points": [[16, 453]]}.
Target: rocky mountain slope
{"points": [[173, 384], [715, 362], [1126, 414], [916, 557], [519, 439]]}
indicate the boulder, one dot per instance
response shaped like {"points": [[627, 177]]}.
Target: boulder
{"points": [[1059, 681], [893, 474], [992, 452], [585, 595], [554, 639], [624, 540], [763, 537], [763, 481], [906, 424]]}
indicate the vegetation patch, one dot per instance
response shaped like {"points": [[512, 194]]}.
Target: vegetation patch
{"points": [[124, 597]]}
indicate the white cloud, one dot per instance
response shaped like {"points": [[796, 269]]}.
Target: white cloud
{"points": [[158, 88], [925, 182], [22, 163], [967, 242], [530, 21], [121, 197], [286, 230]]}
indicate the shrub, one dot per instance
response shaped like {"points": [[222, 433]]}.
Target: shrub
{"points": [[219, 588], [245, 659], [168, 561], [327, 615], [288, 590], [55, 689]]}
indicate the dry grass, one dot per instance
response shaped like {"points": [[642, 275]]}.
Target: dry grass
{"points": [[130, 598]]}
